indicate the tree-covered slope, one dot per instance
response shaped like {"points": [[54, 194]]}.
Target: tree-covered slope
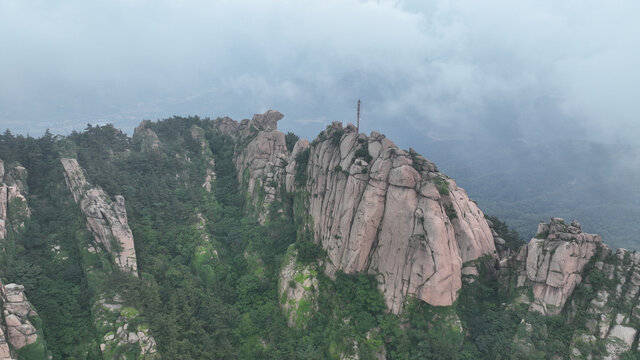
{"points": [[234, 260]]}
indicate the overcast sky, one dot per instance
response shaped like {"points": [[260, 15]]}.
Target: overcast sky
{"points": [[527, 69]]}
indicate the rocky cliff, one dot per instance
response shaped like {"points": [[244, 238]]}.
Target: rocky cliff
{"points": [[106, 219], [614, 312], [552, 263], [18, 333], [373, 207], [13, 200], [148, 139], [119, 326], [198, 134], [339, 218], [260, 158], [566, 272]]}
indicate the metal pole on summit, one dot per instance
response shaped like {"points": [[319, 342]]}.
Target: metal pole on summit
{"points": [[358, 119]]}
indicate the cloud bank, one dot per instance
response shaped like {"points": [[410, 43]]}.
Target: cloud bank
{"points": [[446, 70]]}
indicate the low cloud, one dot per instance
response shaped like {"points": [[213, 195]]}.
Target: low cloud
{"points": [[448, 69]]}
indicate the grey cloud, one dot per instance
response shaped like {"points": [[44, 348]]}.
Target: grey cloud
{"points": [[450, 69]]}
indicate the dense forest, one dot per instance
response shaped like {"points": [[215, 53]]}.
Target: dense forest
{"points": [[209, 270]]}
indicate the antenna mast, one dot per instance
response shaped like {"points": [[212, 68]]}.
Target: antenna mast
{"points": [[358, 121]]}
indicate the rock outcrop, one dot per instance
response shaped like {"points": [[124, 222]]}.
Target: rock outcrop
{"points": [[260, 158], [106, 219], [13, 198], [553, 261], [198, 134], [614, 313], [118, 324], [119, 327], [373, 207], [546, 274], [18, 331], [502, 248], [148, 139]]}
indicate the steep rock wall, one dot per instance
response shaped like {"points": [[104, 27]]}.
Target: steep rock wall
{"points": [[18, 331], [260, 157], [555, 262], [107, 220], [373, 207], [552, 263], [13, 198], [198, 134], [118, 325], [546, 274]]}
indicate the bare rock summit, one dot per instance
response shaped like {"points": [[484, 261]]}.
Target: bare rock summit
{"points": [[373, 207]]}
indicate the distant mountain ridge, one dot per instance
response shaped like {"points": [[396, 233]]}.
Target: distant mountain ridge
{"points": [[524, 183]]}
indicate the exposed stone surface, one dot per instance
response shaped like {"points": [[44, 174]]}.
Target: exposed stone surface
{"points": [[500, 243], [148, 139], [114, 325], [559, 259], [261, 156], [106, 219], [613, 313], [620, 340], [14, 210], [13, 198], [553, 263], [198, 134], [5, 352], [373, 207], [17, 312]]}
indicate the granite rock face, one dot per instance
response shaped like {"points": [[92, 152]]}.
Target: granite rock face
{"points": [[373, 207], [148, 139], [18, 330], [118, 325], [260, 157], [614, 312], [545, 275], [106, 219], [198, 134], [555, 258], [13, 198]]}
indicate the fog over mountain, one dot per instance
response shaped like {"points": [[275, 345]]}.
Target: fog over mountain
{"points": [[492, 86]]}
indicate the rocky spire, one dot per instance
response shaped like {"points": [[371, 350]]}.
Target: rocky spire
{"points": [[106, 219]]}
